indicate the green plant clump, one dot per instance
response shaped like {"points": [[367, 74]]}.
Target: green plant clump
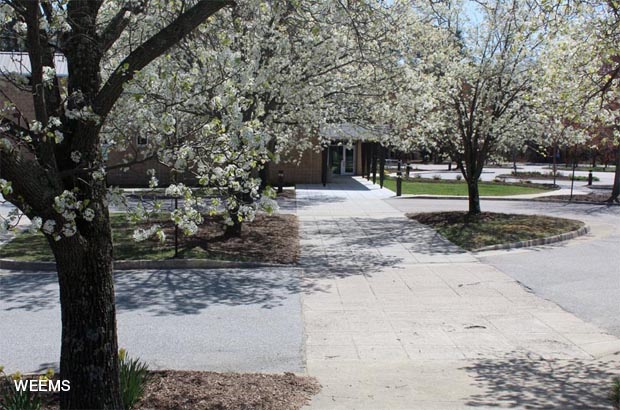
{"points": [[614, 393], [13, 399], [134, 376]]}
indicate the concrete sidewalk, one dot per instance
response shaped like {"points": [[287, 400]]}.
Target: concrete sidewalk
{"points": [[395, 317]]}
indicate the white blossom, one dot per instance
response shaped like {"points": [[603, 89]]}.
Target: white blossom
{"points": [[49, 226], [49, 73], [20, 28], [36, 223], [88, 214], [76, 157]]}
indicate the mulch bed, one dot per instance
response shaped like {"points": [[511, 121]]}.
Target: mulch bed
{"points": [[181, 390], [594, 197], [474, 232], [269, 238], [193, 390]]}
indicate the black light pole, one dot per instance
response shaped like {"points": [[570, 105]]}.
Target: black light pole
{"points": [[399, 180], [176, 230], [572, 180], [280, 181]]}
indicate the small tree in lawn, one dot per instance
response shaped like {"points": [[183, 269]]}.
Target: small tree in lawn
{"points": [[53, 169], [474, 101]]}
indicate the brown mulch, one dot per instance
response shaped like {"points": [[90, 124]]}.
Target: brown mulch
{"points": [[194, 390], [181, 390], [594, 197], [473, 232], [269, 239]]}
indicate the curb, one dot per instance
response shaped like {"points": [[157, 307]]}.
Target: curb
{"points": [[9, 264], [493, 198], [559, 201], [537, 242]]}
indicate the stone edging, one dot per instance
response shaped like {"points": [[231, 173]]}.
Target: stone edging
{"points": [[147, 264], [537, 242]]}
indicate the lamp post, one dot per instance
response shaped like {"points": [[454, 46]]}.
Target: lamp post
{"points": [[280, 181], [399, 180]]}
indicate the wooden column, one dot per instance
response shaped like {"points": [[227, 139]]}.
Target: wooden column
{"points": [[374, 162], [382, 153], [363, 154], [324, 159]]}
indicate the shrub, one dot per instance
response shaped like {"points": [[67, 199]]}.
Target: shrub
{"points": [[134, 376], [459, 177], [11, 398], [417, 176], [614, 393], [585, 178], [436, 177]]}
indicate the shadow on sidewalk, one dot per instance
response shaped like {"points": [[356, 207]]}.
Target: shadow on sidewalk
{"points": [[355, 248], [542, 384]]}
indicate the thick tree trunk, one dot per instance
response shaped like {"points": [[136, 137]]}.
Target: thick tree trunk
{"points": [[89, 353], [615, 192], [474, 196]]}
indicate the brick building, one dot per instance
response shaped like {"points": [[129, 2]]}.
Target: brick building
{"points": [[344, 156]]}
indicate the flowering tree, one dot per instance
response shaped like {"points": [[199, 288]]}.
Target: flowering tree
{"points": [[53, 169], [559, 109], [599, 42], [472, 101], [219, 101], [576, 93], [284, 70]]}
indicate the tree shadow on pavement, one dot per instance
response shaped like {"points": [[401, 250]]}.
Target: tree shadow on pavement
{"points": [[542, 384], [28, 291], [356, 246], [182, 292]]}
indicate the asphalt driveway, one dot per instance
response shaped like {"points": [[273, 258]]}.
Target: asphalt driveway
{"points": [[222, 320]]}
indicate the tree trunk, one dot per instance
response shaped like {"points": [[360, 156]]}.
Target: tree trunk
{"points": [[615, 193], [233, 230], [89, 353], [474, 196]]}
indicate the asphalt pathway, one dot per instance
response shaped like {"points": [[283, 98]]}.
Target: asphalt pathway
{"points": [[220, 320]]}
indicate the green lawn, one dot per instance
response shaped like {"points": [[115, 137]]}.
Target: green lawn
{"points": [[424, 187], [489, 228], [33, 247], [256, 243]]}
